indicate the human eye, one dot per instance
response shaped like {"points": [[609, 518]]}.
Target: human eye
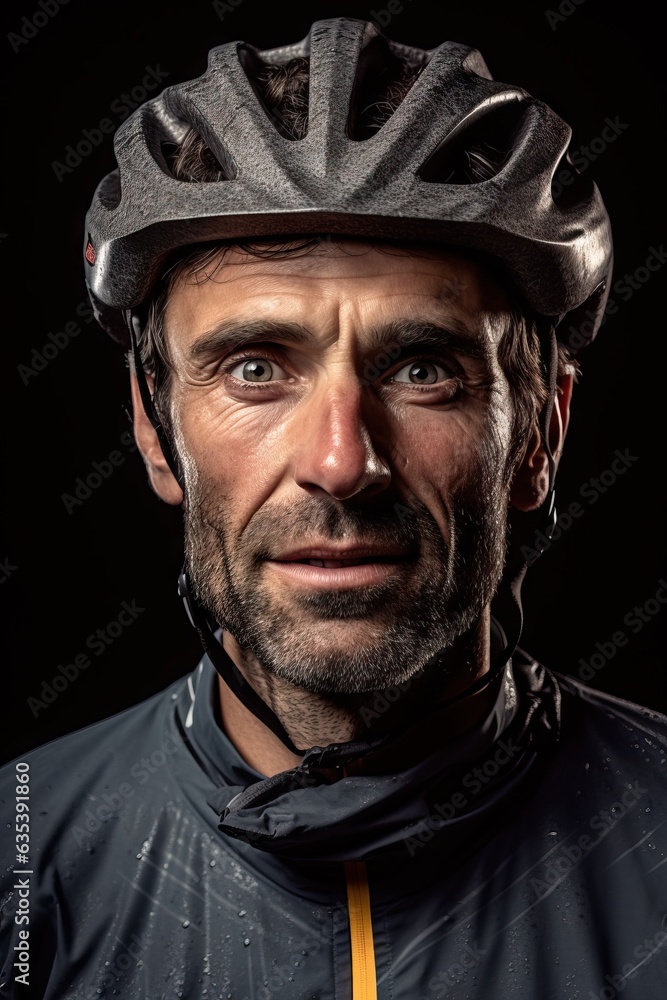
{"points": [[254, 368], [421, 375], [423, 372]]}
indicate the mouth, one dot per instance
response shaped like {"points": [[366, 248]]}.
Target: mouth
{"points": [[337, 563], [356, 571]]}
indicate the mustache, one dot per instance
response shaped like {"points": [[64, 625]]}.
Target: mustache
{"points": [[398, 523]]}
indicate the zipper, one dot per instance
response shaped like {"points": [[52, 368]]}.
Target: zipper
{"points": [[364, 981]]}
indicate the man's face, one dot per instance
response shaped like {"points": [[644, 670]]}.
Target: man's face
{"points": [[344, 400]]}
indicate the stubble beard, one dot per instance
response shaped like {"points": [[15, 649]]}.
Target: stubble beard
{"points": [[395, 626]]}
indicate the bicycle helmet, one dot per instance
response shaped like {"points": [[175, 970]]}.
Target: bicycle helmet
{"points": [[406, 181]]}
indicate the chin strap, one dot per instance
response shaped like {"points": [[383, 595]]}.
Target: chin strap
{"points": [[134, 324], [226, 667], [506, 604], [550, 363]]}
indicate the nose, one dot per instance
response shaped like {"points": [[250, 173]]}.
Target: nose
{"points": [[334, 450]]}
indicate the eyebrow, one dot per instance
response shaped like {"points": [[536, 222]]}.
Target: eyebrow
{"points": [[228, 336], [454, 336]]}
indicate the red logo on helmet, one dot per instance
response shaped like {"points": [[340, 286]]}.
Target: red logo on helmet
{"points": [[90, 253]]}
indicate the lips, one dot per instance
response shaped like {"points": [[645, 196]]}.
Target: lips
{"points": [[329, 558], [337, 563]]}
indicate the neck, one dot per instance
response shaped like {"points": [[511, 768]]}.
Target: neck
{"points": [[315, 720]]}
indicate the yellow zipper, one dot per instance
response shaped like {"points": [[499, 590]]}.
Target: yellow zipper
{"points": [[364, 981]]}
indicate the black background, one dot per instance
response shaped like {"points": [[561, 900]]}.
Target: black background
{"points": [[73, 570]]}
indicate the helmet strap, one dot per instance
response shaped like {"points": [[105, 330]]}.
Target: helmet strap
{"points": [[550, 363], [133, 321]]}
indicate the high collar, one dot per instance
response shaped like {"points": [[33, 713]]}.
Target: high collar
{"points": [[449, 795]]}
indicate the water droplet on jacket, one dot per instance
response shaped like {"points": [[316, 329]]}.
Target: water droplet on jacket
{"points": [[211, 864], [186, 923], [242, 913], [246, 941]]}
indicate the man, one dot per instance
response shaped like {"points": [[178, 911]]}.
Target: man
{"points": [[341, 276]]}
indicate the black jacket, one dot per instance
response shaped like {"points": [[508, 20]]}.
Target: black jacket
{"points": [[527, 858]]}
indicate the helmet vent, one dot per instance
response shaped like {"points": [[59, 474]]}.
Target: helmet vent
{"points": [[109, 192], [193, 161], [383, 80], [281, 89], [476, 153], [569, 187]]}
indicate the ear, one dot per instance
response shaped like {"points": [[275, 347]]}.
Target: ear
{"points": [[531, 480], [160, 475]]}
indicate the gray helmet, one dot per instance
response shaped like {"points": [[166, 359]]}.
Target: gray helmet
{"points": [[407, 181]]}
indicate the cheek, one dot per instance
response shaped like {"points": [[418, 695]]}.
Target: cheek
{"points": [[437, 449], [439, 458], [239, 448], [213, 424]]}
